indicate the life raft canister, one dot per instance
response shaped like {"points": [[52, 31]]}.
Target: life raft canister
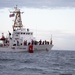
{"points": [[30, 49]]}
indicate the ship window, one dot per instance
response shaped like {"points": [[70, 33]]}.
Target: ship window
{"points": [[14, 44], [23, 33], [18, 33], [31, 33], [28, 33]]}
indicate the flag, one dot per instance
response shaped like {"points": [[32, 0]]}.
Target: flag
{"points": [[12, 15]]}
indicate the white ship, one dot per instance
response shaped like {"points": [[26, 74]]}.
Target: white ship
{"points": [[22, 39]]}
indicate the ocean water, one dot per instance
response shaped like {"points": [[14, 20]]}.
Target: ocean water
{"points": [[52, 62]]}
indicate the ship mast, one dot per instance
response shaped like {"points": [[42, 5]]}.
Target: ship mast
{"points": [[17, 21]]}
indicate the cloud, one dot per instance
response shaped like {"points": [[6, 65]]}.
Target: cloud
{"points": [[37, 3]]}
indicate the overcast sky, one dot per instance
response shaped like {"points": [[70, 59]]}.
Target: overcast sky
{"points": [[45, 17], [38, 3]]}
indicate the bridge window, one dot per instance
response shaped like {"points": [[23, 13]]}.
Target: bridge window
{"points": [[23, 33], [31, 33], [28, 33]]}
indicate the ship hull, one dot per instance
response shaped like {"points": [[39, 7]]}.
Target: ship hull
{"points": [[26, 48]]}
